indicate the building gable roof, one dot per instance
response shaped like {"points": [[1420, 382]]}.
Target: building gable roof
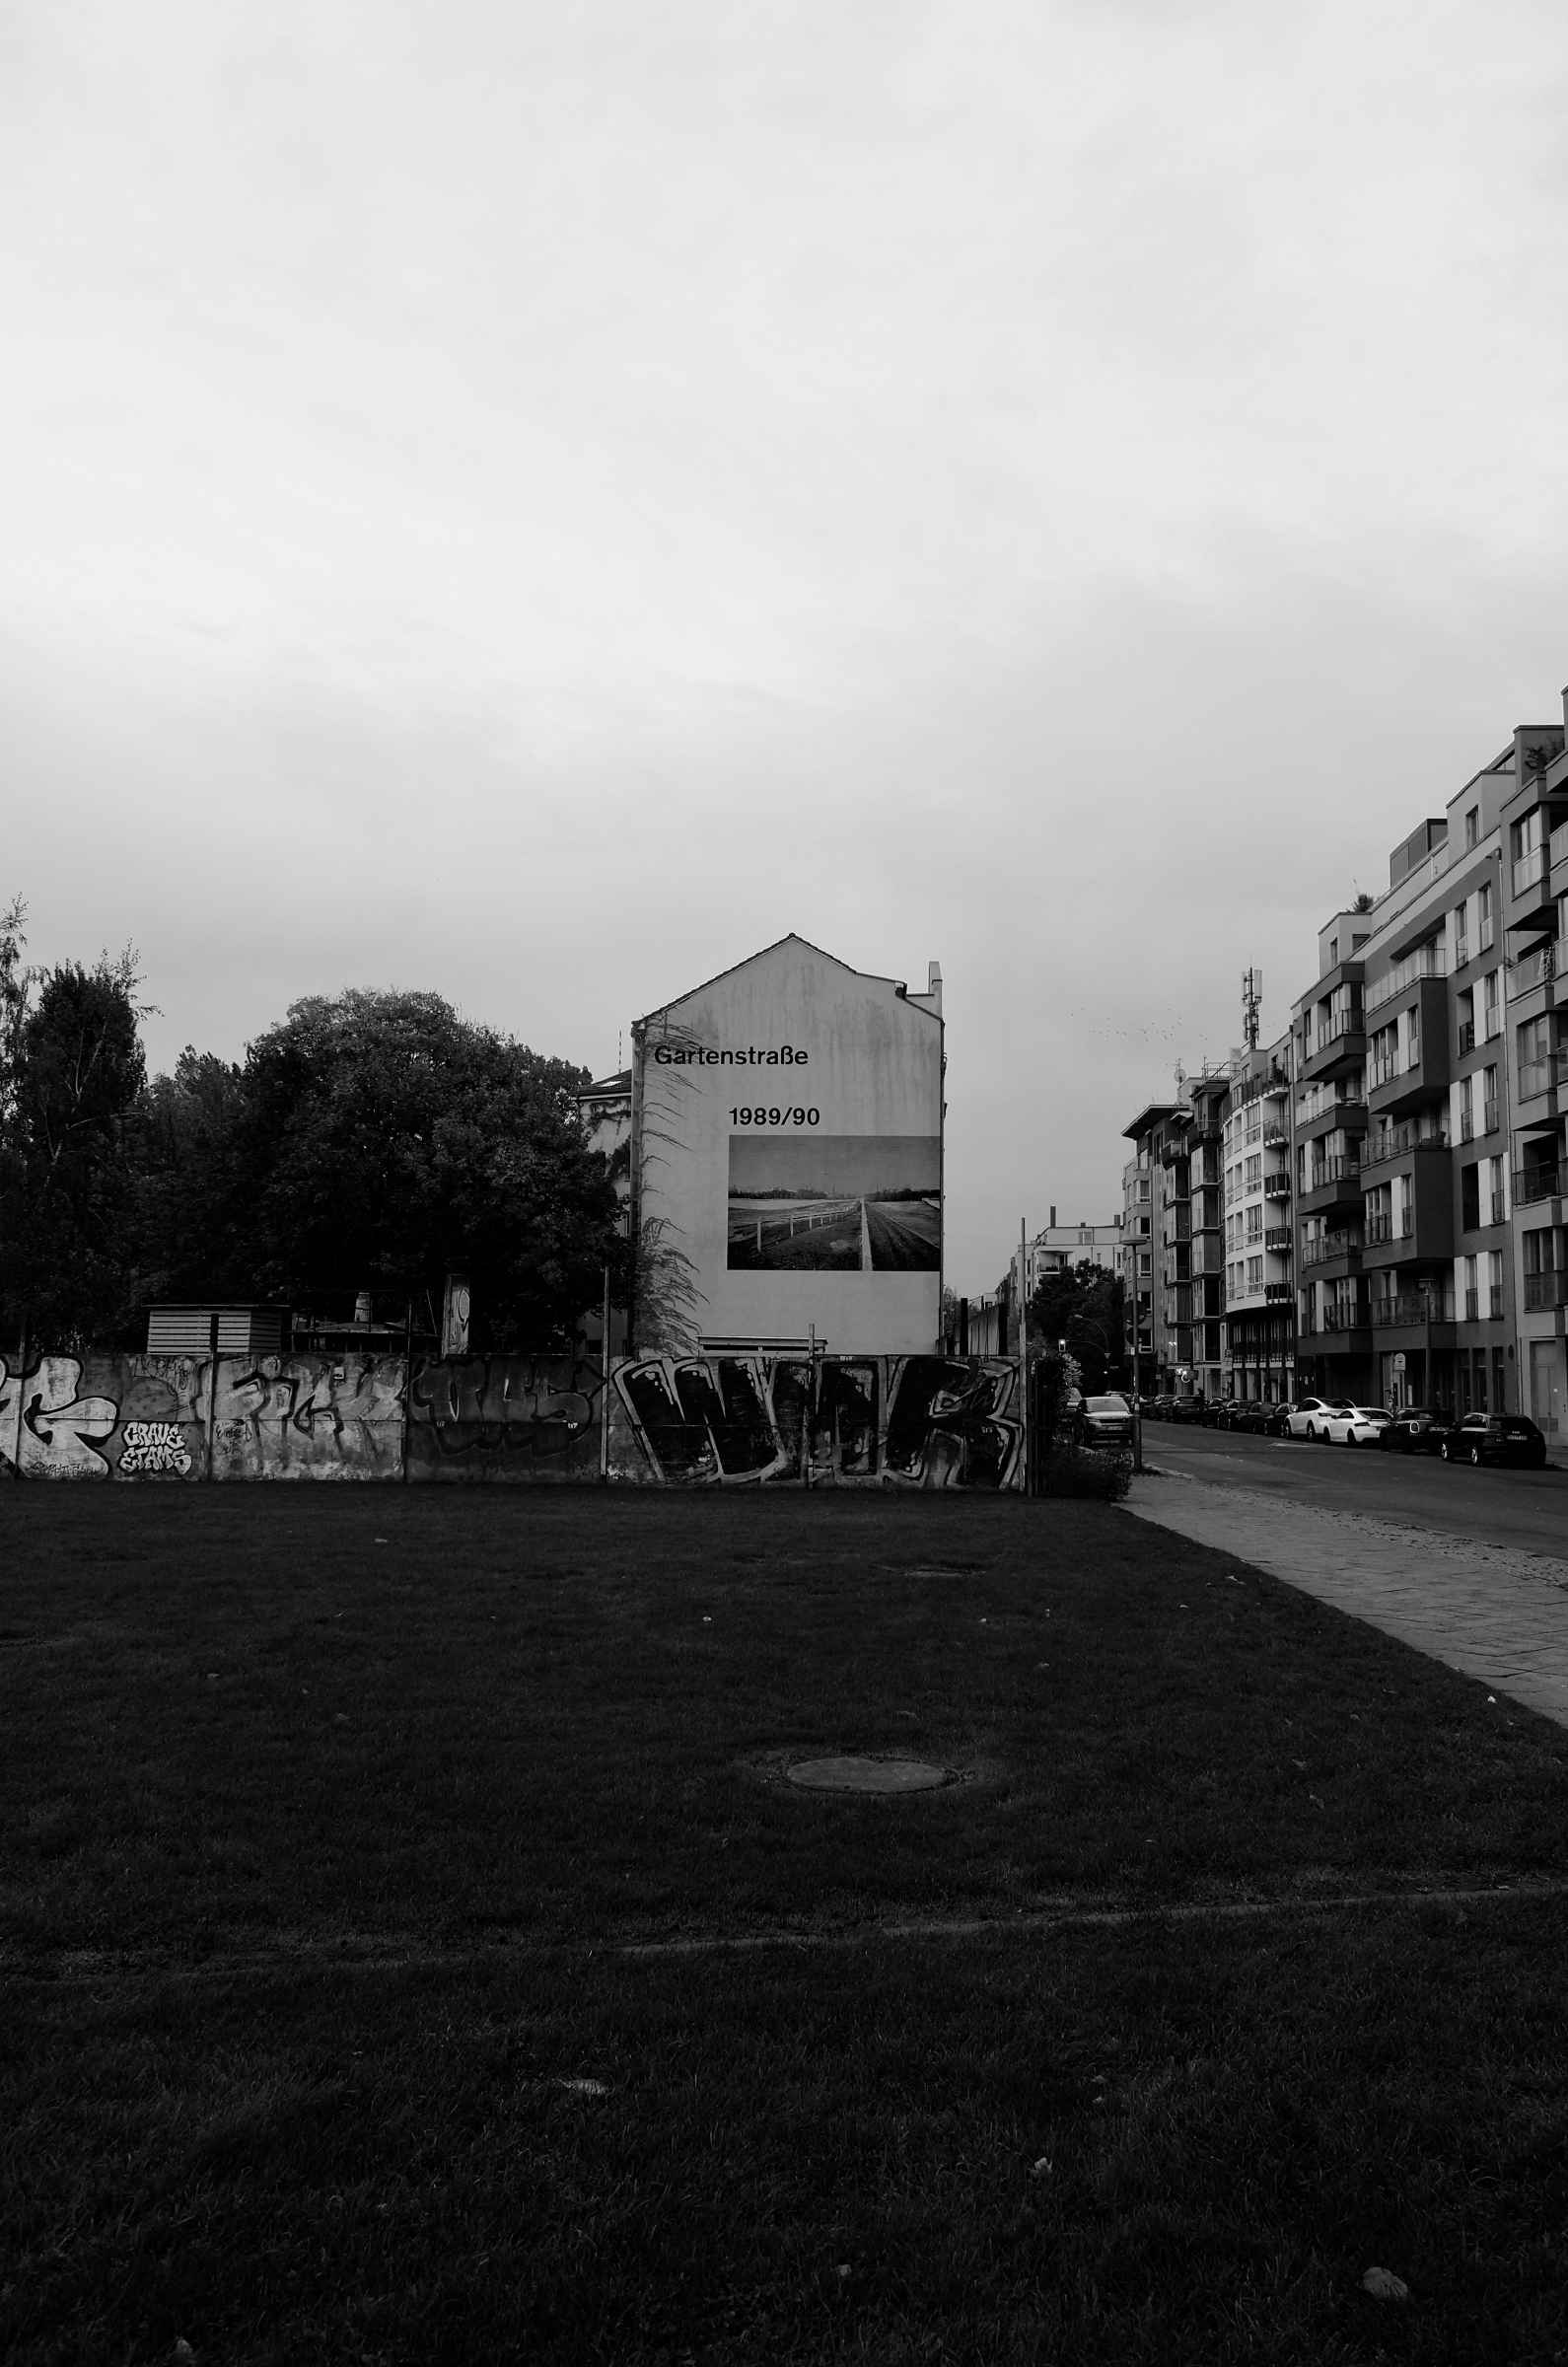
{"points": [[792, 937]]}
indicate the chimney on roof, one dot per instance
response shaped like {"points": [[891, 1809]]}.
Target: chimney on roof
{"points": [[934, 983], [1054, 1216]]}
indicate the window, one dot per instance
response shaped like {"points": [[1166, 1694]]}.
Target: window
{"points": [[1484, 915], [1255, 1274], [1472, 825], [1254, 1171], [1494, 1180], [1489, 1101], [1489, 1003], [1254, 1223], [1469, 1198], [1467, 1107], [1462, 935], [1334, 952]]}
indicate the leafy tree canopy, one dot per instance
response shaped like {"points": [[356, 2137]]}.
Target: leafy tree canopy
{"points": [[377, 1141], [71, 1072], [1082, 1305]]}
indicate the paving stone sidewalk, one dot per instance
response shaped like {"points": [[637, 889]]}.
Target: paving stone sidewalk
{"points": [[1490, 1611]]}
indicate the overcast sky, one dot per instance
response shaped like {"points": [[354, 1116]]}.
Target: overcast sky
{"points": [[536, 501]]}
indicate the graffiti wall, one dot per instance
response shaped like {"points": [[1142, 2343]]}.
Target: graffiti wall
{"points": [[889, 1421]]}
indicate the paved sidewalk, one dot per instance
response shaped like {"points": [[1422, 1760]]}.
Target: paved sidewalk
{"points": [[1495, 1615]]}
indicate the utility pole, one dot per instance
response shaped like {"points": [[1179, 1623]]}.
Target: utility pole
{"points": [[1027, 1465]]}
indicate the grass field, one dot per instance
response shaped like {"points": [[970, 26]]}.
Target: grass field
{"points": [[412, 1951]]}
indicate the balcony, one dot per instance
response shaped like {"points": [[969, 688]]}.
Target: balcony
{"points": [[1339, 1045], [1408, 1307], [1330, 1248], [1279, 1294], [1534, 1183], [1546, 1290], [1532, 871], [1378, 1228], [1178, 1228], [1532, 971], [1276, 1188], [1397, 1142], [1330, 1181], [1278, 1237], [1427, 962]]}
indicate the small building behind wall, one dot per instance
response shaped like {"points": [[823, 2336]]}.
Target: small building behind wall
{"points": [[786, 1158]]}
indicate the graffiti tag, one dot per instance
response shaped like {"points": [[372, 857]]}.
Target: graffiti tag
{"points": [[154, 1447]]}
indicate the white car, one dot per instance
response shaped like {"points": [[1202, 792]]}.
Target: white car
{"points": [[1309, 1418], [1358, 1425]]}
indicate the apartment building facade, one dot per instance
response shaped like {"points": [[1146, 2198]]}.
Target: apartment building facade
{"points": [[1535, 855], [1405, 1290], [1259, 1296], [1057, 1248], [1147, 1330]]}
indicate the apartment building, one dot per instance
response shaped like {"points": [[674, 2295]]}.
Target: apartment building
{"points": [[1404, 1271], [1144, 1289], [1259, 1296], [1057, 1248], [1535, 824]]}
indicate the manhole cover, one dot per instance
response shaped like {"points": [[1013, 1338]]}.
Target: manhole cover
{"points": [[867, 1774]]}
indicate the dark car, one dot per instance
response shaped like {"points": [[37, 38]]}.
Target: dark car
{"points": [[1415, 1430], [1252, 1415], [1277, 1424], [1188, 1410], [1104, 1422], [1216, 1414], [1494, 1438]]}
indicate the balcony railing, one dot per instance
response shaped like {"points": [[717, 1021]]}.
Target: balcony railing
{"points": [[1278, 1237], [1533, 1184], [1398, 1141], [1378, 1228], [1348, 1022], [1279, 1294], [1546, 1290], [1329, 1171], [1535, 1076], [1328, 1246], [1427, 962], [1529, 869], [1345, 1314], [1466, 1126], [1383, 1070], [1532, 971], [1275, 1136], [1407, 1308], [1276, 1188]]}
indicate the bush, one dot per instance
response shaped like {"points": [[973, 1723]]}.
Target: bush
{"points": [[1086, 1472]]}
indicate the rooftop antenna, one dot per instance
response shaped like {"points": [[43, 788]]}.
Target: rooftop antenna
{"points": [[1180, 1080], [1251, 998]]}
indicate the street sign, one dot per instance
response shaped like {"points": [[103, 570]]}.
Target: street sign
{"points": [[1397, 1362]]}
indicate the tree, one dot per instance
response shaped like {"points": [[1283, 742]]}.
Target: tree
{"points": [[377, 1141], [71, 1070], [1082, 1305]]}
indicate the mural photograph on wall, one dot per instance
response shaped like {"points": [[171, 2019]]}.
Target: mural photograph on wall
{"points": [[842, 1204]]}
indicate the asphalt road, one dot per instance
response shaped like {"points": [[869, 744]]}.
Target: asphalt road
{"points": [[1524, 1509]]}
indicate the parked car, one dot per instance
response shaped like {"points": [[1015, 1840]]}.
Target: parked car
{"points": [[1357, 1425], [1105, 1421], [1415, 1430], [1277, 1424], [1157, 1409], [1309, 1418], [1494, 1438], [1252, 1414], [1216, 1413], [1188, 1410]]}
